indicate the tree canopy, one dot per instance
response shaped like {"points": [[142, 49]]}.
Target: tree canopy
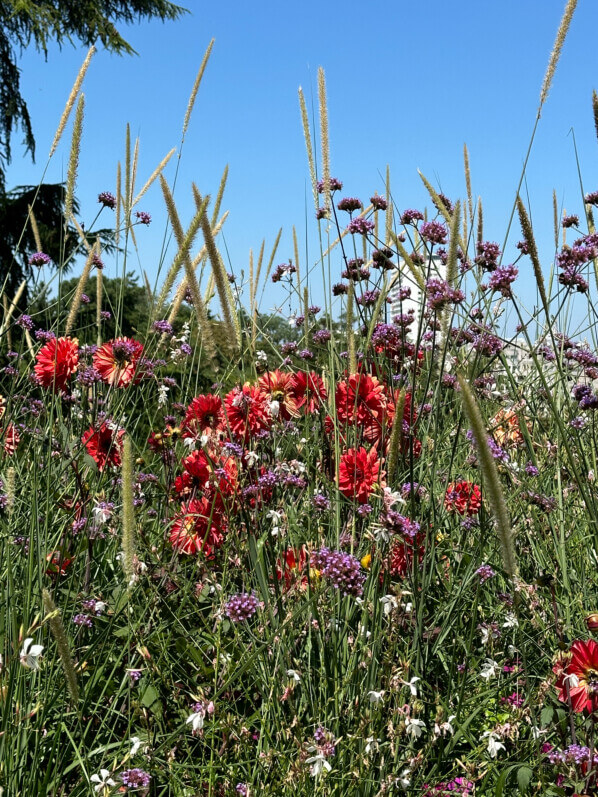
{"points": [[25, 23]]}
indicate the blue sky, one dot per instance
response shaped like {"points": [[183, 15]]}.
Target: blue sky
{"points": [[407, 84]]}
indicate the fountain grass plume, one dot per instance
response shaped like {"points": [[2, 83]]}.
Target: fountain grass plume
{"points": [[324, 136], [219, 196], [349, 327], [195, 89], [395, 438], [492, 485], [415, 272], [34, 229], [480, 235], [223, 288], [128, 546], [468, 184], [153, 176], [556, 50], [389, 209], [71, 100], [76, 302], [555, 219], [71, 176], [296, 253], [54, 618], [308, 146], [9, 309], [99, 298], [528, 236]]}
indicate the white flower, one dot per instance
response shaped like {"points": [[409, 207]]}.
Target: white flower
{"points": [[412, 686], [485, 632], [371, 745], [510, 621], [274, 408], [261, 356], [445, 727], [294, 675], [404, 781], [252, 458], [317, 764], [135, 744], [163, 395], [489, 669], [102, 513], [389, 602], [103, 780], [189, 442], [30, 654], [415, 727], [375, 697], [493, 744], [196, 719]]}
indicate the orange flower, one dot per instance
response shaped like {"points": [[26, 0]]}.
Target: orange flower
{"points": [[116, 361], [247, 411], [506, 429], [56, 362]]}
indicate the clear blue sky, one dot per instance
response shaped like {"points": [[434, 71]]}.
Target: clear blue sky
{"points": [[408, 84]]}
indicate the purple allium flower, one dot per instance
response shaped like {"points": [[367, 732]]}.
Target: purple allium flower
{"points": [[343, 570], [39, 259], [25, 321], [410, 215], [488, 254], [241, 607], [502, 278], [378, 202], [321, 336], [434, 232], [350, 203], [484, 573], [368, 298], [320, 502], [143, 217], [135, 778], [107, 199], [360, 226], [441, 293], [335, 185], [83, 619], [570, 221], [162, 326]]}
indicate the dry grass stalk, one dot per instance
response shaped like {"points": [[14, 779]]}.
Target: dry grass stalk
{"points": [[34, 229], [71, 176], [76, 303], [324, 137], [195, 89], [468, 184], [528, 236], [219, 196], [71, 100], [556, 50], [308, 146]]}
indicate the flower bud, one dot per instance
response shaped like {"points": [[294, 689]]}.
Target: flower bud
{"points": [[592, 621]]}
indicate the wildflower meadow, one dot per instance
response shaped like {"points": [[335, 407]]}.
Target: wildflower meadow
{"points": [[348, 551]]}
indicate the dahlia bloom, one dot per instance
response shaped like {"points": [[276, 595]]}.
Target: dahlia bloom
{"points": [[116, 361], [197, 528], [104, 445], [579, 677], [309, 391], [9, 439], [247, 411], [463, 497], [361, 400], [56, 362], [279, 386], [203, 417], [358, 473], [506, 429]]}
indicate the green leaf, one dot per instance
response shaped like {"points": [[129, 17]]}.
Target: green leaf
{"points": [[524, 776]]}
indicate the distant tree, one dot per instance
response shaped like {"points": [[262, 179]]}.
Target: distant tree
{"points": [[17, 242], [27, 23]]}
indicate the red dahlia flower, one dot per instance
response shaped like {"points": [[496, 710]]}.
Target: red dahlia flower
{"points": [[309, 391], [56, 362], [197, 528], [279, 386], [104, 445], [9, 438], [361, 400], [580, 676], [247, 411], [463, 497], [116, 361], [358, 472], [204, 416]]}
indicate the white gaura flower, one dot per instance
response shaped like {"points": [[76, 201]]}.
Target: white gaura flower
{"points": [[493, 744], [371, 745], [415, 727], [103, 780], [163, 395], [317, 764], [375, 697], [251, 457], [294, 675], [444, 728], [412, 686], [510, 621], [404, 781], [30, 654], [196, 719], [135, 744], [489, 669], [274, 408], [389, 602]]}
